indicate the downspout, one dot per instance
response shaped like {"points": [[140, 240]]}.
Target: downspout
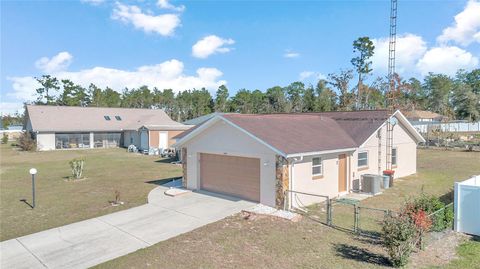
{"points": [[291, 164]]}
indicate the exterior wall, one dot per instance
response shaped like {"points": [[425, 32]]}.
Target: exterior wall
{"points": [[406, 154], [221, 138], [143, 139], [28, 126], [153, 139], [327, 184], [45, 141], [127, 135]]}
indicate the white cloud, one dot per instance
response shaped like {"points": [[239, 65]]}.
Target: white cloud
{"points": [[24, 88], [10, 108], [466, 28], [164, 24], [446, 60], [57, 63], [409, 49], [93, 2], [311, 76], [210, 45], [165, 4], [167, 75], [291, 54]]}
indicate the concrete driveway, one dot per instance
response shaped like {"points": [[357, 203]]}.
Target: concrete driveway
{"points": [[90, 242]]}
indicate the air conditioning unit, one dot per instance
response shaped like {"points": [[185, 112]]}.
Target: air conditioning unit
{"points": [[356, 185], [371, 183]]}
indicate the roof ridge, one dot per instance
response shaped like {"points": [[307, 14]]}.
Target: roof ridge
{"points": [[95, 107]]}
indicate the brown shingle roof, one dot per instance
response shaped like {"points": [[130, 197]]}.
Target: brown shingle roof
{"points": [[74, 119], [421, 114], [295, 133], [360, 125], [308, 132]]}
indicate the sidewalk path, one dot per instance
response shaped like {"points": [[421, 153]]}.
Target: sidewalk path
{"points": [[87, 243]]}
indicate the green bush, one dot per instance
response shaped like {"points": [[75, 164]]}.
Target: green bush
{"points": [[26, 142], [442, 219], [427, 203], [4, 138], [399, 234], [449, 216], [77, 168]]}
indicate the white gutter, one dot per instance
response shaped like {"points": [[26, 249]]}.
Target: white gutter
{"points": [[290, 183]]}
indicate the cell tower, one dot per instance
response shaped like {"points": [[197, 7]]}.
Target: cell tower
{"points": [[391, 80]]}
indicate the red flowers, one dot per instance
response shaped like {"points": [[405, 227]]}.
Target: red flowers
{"points": [[388, 172]]}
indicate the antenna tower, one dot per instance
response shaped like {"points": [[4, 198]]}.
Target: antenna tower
{"points": [[391, 80]]}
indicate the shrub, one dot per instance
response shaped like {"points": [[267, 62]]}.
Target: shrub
{"points": [[77, 167], [4, 138], [449, 216], [427, 203], [398, 238], [430, 204], [26, 142]]}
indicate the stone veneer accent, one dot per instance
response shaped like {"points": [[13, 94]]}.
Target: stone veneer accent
{"points": [[281, 180], [184, 167]]}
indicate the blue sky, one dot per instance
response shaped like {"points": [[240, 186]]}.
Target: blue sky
{"points": [[245, 44]]}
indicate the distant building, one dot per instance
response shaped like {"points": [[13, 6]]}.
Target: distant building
{"points": [[66, 127], [13, 132], [423, 116]]}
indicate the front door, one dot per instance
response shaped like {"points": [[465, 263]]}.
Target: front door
{"points": [[342, 173]]}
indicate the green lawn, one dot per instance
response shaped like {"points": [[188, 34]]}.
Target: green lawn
{"points": [[468, 255], [61, 202], [267, 242]]}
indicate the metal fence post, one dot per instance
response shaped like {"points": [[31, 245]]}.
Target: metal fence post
{"points": [[355, 218], [329, 212]]}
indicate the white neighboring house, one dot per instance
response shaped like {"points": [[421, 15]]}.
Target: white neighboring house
{"points": [[259, 157], [65, 127]]}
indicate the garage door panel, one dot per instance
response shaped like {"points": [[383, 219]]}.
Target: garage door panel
{"points": [[238, 176]]}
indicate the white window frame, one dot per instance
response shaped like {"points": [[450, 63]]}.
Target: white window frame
{"points": [[396, 156], [358, 159], [317, 165]]}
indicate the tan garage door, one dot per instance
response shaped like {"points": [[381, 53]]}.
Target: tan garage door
{"points": [[237, 176]]}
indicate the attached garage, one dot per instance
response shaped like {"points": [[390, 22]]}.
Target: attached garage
{"points": [[232, 175], [260, 157]]}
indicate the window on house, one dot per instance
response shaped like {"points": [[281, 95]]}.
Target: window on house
{"points": [[118, 118], [107, 117], [317, 169], [362, 159], [394, 156]]}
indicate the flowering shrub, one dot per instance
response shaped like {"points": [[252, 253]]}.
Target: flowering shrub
{"points": [[404, 231], [398, 238]]}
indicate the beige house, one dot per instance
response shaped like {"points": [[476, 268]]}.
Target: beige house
{"points": [[259, 157], [64, 127]]}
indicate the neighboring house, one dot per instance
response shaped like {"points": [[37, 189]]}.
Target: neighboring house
{"points": [[204, 118], [423, 116], [13, 132], [66, 127], [259, 157]]}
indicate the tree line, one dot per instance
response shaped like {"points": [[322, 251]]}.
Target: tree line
{"points": [[457, 97]]}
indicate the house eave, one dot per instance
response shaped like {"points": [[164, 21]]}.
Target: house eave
{"points": [[312, 153]]}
